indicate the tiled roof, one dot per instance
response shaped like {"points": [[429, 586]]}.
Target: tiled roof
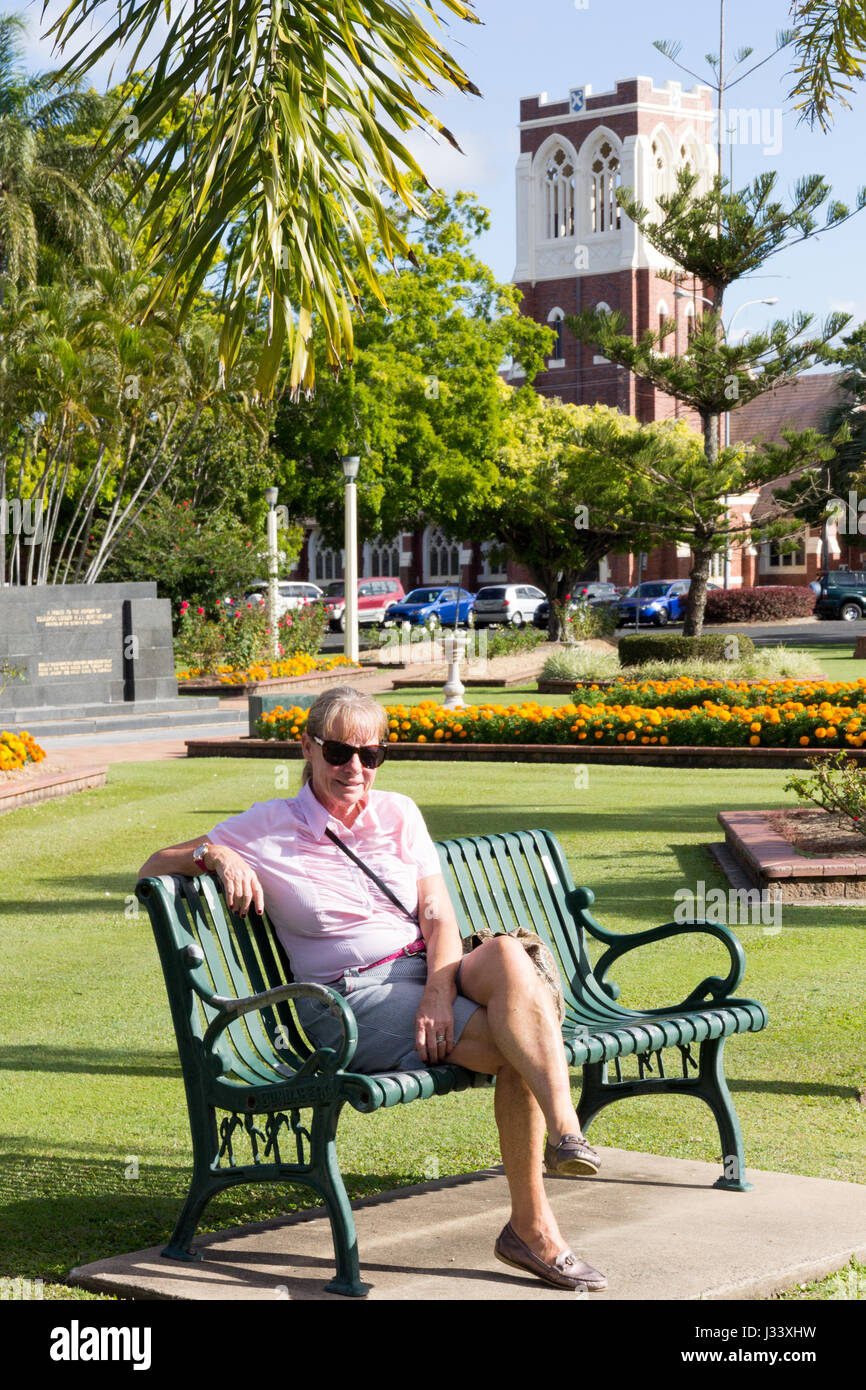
{"points": [[801, 405]]}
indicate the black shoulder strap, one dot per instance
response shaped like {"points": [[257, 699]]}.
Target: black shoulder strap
{"points": [[370, 874]]}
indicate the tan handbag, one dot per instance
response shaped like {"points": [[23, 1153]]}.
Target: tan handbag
{"points": [[541, 956]]}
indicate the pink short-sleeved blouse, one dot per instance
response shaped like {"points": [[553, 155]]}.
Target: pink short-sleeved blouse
{"points": [[327, 913]]}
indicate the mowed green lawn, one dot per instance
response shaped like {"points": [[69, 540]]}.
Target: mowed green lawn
{"points": [[95, 1150]]}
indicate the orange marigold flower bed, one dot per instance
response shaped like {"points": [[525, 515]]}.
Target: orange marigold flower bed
{"points": [[16, 750], [706, 724]]}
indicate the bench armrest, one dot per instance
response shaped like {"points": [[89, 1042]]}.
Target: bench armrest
{"points": [[324, 1058], [713, 986]]}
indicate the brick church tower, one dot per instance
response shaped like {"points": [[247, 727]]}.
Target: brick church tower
{"points": [[575, 248]]}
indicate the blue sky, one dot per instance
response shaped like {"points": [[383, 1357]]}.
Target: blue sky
{"points": [[531, 46]]}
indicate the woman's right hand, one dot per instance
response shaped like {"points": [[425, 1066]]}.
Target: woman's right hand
{"points": [[240, 882]]}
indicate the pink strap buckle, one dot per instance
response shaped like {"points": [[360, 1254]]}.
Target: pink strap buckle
{"points": [[413, 949]]}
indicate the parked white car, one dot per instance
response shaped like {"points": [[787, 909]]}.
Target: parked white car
{"points": [[290, 594], [514, 604]]}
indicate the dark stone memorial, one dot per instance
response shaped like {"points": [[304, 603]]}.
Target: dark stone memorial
{"points": [[87, 649]]}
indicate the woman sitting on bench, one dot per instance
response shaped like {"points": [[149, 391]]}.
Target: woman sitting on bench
{"points": [[352, 884]]}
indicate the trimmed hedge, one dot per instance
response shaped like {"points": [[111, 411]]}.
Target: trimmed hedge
{"points": [[760, 604], [711, 646]]}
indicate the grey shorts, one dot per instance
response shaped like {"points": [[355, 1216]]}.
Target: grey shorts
{"points": [[384, 1001]]}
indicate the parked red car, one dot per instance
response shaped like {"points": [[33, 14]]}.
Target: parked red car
{"points": [[374, 596]]}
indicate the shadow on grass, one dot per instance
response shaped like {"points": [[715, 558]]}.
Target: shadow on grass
{"points": [[98, 1061], [795, 1088], [570, 820], [103, 893], [61, 1212]]}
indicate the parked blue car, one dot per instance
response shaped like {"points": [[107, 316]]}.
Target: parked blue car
{"points": [[662, 601], [445, 607]]}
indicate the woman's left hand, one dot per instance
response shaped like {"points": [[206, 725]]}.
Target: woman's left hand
{"points": [[434, 1027]]}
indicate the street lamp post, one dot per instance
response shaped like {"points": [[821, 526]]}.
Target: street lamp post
{"points": [[351, 463], [271, 495], [774, 299]]}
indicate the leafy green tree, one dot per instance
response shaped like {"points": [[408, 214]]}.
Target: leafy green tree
{"points": [[718, 237], [423, 404], [296, 124], [849, 470], [196, 556], [49, 210], [96, 410], [537, 505], [830, 50], [652, 483]]}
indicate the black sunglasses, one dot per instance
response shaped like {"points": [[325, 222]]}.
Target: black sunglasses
{"points": [[338, 754]]}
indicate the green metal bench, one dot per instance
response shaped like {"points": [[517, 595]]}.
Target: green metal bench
{"points": [[243, 1053]]}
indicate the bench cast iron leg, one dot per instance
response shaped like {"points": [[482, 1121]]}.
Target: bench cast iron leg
{"points": [[714, 1090], [709, 1085], [595, 1094], [200, 1193], [328, 1180]]}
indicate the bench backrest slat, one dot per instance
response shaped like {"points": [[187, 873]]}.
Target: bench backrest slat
{"points": [[248, 1035], [520, 879], [193, 912]]}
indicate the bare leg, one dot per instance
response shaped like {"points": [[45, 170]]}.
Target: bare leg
{"points": [[521, 1138], [522, 1027]]}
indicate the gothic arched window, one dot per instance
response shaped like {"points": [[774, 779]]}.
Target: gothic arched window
{"points": [[605, 178], [556, 320], [324, 561], [659, 166], [381, 560], [442, 556], [559, 185], [663, 317]]}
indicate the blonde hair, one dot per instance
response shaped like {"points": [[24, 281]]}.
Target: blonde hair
{"points": [[343, 703]]}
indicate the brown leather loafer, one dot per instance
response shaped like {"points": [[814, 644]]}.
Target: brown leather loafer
{"points": [[566, 1271], [572, 1157]]}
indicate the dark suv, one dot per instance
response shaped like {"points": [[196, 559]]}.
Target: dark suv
{"points": [[842, 595], [595, 592]]}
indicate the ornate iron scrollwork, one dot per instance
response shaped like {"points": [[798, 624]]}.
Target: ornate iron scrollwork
{"points": [[227, 1129], [292, 1121]]}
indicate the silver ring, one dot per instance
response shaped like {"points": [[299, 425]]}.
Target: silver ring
{"points": [[440, 1037]]}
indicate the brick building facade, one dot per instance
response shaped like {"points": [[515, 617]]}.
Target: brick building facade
{"points": [[576, 250]]}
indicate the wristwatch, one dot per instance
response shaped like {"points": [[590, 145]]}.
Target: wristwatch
{"points": [[199, 857]]}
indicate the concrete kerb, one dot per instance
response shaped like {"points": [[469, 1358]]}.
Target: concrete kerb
{"points": [[619, 756], [636, 1221]]}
